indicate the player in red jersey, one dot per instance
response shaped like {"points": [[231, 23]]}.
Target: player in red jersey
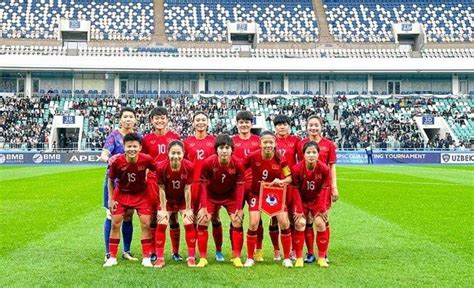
{"points": [[327, 155], [267, 165], [312, 179], [245, 143], [286, 146], [222, 178], [175, 177], [130, 193], [197, 148], [155, 144]]}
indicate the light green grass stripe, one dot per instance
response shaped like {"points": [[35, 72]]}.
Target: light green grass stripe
{"points": [[463, 177], [366, 251], [34, 171]]}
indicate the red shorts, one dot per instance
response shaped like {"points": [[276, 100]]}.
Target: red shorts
{"points": [[152, 191], [139, 202], [195, 196], [247, 192], [329, 199], [252, 201], [230, 206], [311, 207], [174, 206], [294, 203]]}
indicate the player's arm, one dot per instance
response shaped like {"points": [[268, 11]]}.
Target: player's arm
{"points": [[323, 204], [162, 213], [287, 177], [334, 191], [110, 189], [108, 148], [104, 155], [187, 196]]}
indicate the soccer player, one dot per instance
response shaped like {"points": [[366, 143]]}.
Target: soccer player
{"points": [[327, 155], [114, 146], [155, 144], [267, 166], [130, 170], [175, 177], [222, 177], [245, 143], [197, 148], [312, 180], [286, 147]]}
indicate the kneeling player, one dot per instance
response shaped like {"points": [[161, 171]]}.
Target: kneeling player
{"points": [[130, 193], [312, 178], [268, 166], [175, 177], [222, 177]]}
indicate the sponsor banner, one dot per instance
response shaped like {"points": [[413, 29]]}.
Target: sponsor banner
{"points": [[457, 158], [388, 157], [40, 158], [406, 158]]}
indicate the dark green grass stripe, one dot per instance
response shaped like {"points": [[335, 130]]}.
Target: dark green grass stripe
{"points": [[33, 207]]}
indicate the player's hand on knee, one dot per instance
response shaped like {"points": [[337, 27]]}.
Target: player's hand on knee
{"points": [[297, 217], [324, 216], [189, 215], [203, 215], [334, 195], [112, 205], [162, 216]]}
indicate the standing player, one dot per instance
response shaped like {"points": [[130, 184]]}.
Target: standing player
{"points": [[197, 148], [114, 146], [327, 155], [245, 143], [312, 179], [267, 166], [130, 170], [175, 177], [286, 147], [155, 144], [222, 177]]}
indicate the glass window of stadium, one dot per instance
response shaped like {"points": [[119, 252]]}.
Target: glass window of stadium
{"points": [[264, 87]]}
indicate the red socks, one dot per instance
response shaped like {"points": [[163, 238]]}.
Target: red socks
{"points": [[238, 240], [322, 240], [260, 235], [251, 243], [309, 238], [217, 235], [285, 237], [274, 235], [202, 236], [146, 247], [190, 235], [160, 239], [298, 243], [113, 246], [175, 236]]}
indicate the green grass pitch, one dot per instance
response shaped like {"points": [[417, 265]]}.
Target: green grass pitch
{"points": [[394, 226]]}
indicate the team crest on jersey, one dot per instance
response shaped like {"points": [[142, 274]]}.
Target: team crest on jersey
{"points": [[257, 164], [153, 142], [323, 148], [215, 170], [184, 176], [275, 167], [192, 144], [141, 168], [231, 171], [208, 144]]}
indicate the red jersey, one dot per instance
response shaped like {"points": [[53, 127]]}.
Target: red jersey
{"points": [[174, 181], [197, 150], [243, 148], [265, 170], [287, 148], [223, 182], [327, 150], [313, 185], [157, 145], [131, 176]]}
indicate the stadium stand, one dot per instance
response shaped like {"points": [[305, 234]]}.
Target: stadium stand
{"points": [[371, 21], [206, 20], [110, 20]]}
